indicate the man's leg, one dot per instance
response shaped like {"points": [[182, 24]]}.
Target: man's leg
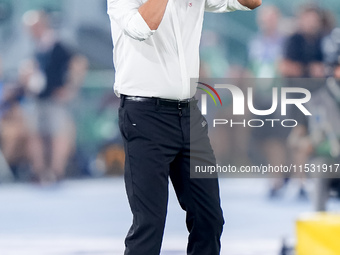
{"points": [[149, 148], [204, 219], [198, 197]]}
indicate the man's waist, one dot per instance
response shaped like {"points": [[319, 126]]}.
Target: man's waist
{"points": [[176, 104]]}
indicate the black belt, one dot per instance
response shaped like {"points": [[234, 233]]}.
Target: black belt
{"points": [[177, 104]]}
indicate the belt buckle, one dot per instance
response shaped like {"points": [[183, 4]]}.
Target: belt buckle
{"points": [[179, 105]]}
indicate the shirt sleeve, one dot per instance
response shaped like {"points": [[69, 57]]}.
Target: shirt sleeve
{"points": [[125, 14], [224, 6]]}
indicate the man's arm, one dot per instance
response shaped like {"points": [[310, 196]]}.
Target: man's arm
{"points": [[152, 12], [137, 20], [251, 4], [231, 5]]}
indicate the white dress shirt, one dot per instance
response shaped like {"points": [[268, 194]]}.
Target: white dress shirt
{"points": [[159, 63]]}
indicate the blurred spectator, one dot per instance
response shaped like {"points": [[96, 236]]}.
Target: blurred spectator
{"points": [[266, 48], [12, 126], [328, 20], [303, 58], [302, 55], [51, 80], [265, 51], [317, 138]]}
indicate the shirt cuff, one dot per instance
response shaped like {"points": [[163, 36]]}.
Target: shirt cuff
{"points": [[138, 29], [235, 5]]}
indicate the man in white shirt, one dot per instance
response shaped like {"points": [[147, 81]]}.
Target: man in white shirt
{"points": [[156, 52]]}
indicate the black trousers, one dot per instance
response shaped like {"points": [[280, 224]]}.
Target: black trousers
{"points": [[161, 142]]}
